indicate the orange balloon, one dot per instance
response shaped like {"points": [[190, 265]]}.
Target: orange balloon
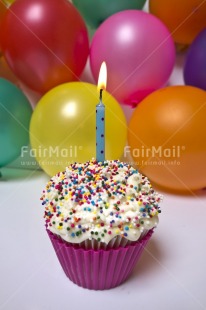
{"points": [[8, 2], [5, 71], [3, 9], [167, 137], [184, 18]]}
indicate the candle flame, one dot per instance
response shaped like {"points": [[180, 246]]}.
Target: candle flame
{"points": [[102, 81]]}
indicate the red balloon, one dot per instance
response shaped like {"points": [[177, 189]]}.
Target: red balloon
{"points": [[45, 42]]}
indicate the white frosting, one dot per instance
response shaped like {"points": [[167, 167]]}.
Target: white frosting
{"points": [[100, 201]]}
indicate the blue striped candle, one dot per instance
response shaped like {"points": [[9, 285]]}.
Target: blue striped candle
{"points": [[100, 130]]}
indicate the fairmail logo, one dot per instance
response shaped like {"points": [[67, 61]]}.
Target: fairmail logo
{"points": [[155, 152]]}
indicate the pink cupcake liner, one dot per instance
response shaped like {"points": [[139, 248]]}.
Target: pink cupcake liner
{"points": [[98, 269]]}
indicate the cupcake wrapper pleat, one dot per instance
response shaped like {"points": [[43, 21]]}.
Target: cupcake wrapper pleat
{"points": [[98, 269]]}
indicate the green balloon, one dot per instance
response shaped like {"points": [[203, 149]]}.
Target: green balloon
{"points": [[15, 114], [96, 11]]}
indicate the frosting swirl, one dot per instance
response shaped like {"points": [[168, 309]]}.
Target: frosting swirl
{"points": [[95, 200]]}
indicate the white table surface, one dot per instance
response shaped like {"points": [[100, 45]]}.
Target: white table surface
{"points": [[170, 275]]}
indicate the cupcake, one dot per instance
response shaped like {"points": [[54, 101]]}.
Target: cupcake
{"points": [[99, 217]]}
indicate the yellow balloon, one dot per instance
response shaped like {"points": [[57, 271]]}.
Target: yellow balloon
{"points": [[63, 126]]}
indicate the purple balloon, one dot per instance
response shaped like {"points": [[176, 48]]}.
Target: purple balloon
{"points": [[195, 62], [139, 52]]}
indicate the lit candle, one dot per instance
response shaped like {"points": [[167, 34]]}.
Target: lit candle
{"points": [[100, 116]]}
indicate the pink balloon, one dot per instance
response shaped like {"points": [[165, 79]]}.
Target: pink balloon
{"points": [[139, 52]]}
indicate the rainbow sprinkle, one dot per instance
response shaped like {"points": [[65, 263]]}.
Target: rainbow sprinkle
{"points": [[99, 200]]}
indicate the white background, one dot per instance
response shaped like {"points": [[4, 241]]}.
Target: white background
{"points": [[171, 274]]}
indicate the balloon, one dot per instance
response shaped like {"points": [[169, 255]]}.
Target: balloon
{"points": [[5, 71], [167, 136], [8, 2], [104, 9], [139, 53], [15, 114], [62, 128], [3, 10], [45, 42], [185, 18], [195, 64]]}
